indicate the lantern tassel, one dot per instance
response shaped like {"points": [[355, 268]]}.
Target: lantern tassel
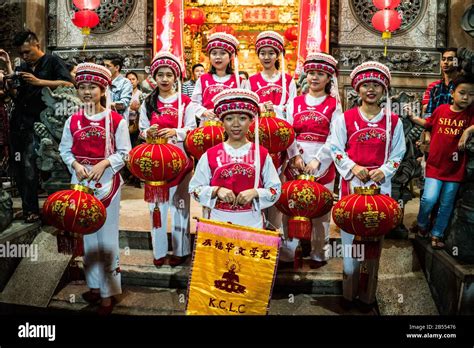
{"points": [[299, 227], [298, 261], [70, 243], [156, 216], [156, 193]]}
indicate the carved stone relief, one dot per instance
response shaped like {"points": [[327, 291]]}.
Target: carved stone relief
{"points": [[134, 58], [423, 34], [133, 32], [413, 62]]}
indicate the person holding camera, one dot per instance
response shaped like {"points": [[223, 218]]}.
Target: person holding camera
{"points": [[25, 84]]}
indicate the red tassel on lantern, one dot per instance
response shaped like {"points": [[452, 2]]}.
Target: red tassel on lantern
{"points": [[70, 243], [156, 217], [156, 191], [300, 227], [298, 261]]}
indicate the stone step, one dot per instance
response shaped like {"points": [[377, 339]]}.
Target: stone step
{"points": [[146, 301], [137, 269]]}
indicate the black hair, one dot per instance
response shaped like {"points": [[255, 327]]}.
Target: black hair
{"points": [[24, 36], [115, 59], [196, 66], [246, 74], [132, 73], [450, 49], [469, 79], [151, 101], [70, 66]]}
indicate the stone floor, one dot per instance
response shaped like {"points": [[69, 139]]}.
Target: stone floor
{"points": [[402, 289]]}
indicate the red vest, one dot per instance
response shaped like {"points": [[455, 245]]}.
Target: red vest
{"points": [[168, 116], [312, 123], [366, 144], [235, 176], [210, 88], [88, 136], [269, 91]]}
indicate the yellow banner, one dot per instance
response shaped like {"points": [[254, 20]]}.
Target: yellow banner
{"points": [[233, 270]]}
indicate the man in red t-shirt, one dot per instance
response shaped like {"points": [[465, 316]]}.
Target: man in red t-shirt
{"points": [[450, 126]]}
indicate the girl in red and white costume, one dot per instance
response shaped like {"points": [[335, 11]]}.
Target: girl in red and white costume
{"points": [[224, 179], [367, 145], [222, 48], [268, 83], [311, 115], [167, 113], [94, 145]]}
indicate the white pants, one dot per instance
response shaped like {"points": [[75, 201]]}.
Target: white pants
{"points": [[354, 271], [319, 237], [179, 204], [101, 254]]}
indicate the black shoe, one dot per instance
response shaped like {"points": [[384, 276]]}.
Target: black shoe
{"points": [[91, 297], [366, 307]]}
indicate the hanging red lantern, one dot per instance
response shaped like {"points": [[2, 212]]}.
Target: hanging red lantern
{"points": [[383, 4], [386, 21], [194, 17], [86, 4], [302, 200], [275, 134], [291, 33], [157, 163], [199, 140], [85, 19], [367, 213], [74, 212]]}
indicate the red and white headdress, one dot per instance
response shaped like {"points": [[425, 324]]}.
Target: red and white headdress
{"points": [[326, 63], [371, 71], [169, 60], [230, 44], [270, 39], [222, 40], [166, 59], [93, 73], [100, 76], [236, 100], [239, 100], [376, 72]]}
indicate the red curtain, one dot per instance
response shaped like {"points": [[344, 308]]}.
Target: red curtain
{"points": [[313, 29]]}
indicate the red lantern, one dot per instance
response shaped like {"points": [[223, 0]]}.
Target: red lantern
{"points": [[194, 17], [199, 140], [367, 213], [291, 33], [85, 20], [303, 199], [86, 4], [386, 21], [383, 4], [157, 163], [75, 212], [275, 134]]}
